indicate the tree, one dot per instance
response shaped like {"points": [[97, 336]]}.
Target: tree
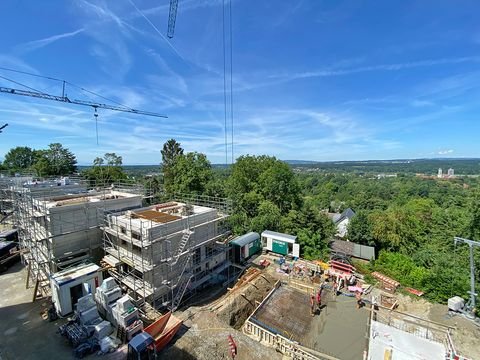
{"points": [[258, 179], [61, 161], [19, 158], [190, 173], [360, 229], [268, 217], [278, 185], [474, 225], [106, 170], [170, 153]]}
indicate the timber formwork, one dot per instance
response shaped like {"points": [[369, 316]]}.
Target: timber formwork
{"points": [[59, 220], [162, 252]]}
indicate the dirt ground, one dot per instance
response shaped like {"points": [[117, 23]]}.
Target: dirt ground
{"points": [[204, 337], [466, 334], [239, 305]]}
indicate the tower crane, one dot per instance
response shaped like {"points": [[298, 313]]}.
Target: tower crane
{"points": [[471, 304], [64, 98], [3, 127], [172, 17]]}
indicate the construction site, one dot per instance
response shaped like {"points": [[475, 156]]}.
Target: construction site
{"points": [[111, 269], [168, 272]]}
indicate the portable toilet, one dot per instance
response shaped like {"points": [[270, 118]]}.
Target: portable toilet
{"points": [[71, 284], [245, 246]]}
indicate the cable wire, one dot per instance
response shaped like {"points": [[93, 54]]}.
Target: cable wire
{"points": [[231, 75], [18, 83], [225, 83], [29, 73], [60, 80]]}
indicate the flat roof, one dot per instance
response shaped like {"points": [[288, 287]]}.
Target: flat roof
{"points": [[74, 199], [156, 216], [403, 345], [280, 236], [71, 274]]}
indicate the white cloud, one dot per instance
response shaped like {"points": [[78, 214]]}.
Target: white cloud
{"points": [[445, 152]]}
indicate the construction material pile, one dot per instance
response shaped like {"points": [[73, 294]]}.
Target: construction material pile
{"points": [[106, 296]]}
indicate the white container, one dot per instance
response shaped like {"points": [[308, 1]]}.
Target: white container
{"points": [[108, 284], [456, 303], [124, 304]]}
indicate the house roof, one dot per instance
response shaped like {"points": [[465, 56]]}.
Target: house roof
{"points": [[245, 239], [346, 214], [279, 236]]}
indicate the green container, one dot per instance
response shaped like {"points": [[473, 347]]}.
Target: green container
{"points": [[254, 247], [279, 247]]}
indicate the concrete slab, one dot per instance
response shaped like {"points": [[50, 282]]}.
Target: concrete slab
{"points": [[23, 333], [339, 330], [401, 345]]}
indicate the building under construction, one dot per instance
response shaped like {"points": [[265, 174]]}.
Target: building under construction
{"points": [[59, 221], [164, 251]]}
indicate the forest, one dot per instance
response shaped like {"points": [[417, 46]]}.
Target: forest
{"points": [[410, 220]]}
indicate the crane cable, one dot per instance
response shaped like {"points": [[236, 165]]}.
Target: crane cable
{"points": [[224, 82]]}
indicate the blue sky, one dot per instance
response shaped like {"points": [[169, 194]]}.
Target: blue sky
{"points": [[313, 80]]}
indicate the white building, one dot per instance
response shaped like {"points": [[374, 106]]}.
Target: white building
{"points": [[342, 221], [58, 229], [450, 172], [440, 173], [163, 251]]}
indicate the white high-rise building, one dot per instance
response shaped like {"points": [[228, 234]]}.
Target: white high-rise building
{"points": [[451, 172], [440, 173]]}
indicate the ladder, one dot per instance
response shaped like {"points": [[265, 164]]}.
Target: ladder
{"points": [[183, 242]]}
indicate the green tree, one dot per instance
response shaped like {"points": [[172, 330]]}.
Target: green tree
{"points": [[61, 161], [256, 179], [106, 170], [171, 151], [360, 229], [191, 173], [19, 158], [268, 217], [474, 225]]}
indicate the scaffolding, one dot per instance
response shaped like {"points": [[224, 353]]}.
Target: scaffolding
{"points": [[58, 220], [162, 252]]}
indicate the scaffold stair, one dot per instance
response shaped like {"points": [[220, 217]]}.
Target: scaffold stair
{"points": [[183, 242], [181, 288]]}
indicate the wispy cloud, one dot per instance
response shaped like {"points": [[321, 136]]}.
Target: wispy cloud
{"points": [[37, 44], [382, 67]]}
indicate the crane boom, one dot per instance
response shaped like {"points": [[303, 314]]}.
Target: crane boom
{"points": [[65, 99], [172, 17]]}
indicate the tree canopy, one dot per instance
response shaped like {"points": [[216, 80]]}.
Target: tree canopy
{"points": [[170, 152], [106, 170], [54, 161]]}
